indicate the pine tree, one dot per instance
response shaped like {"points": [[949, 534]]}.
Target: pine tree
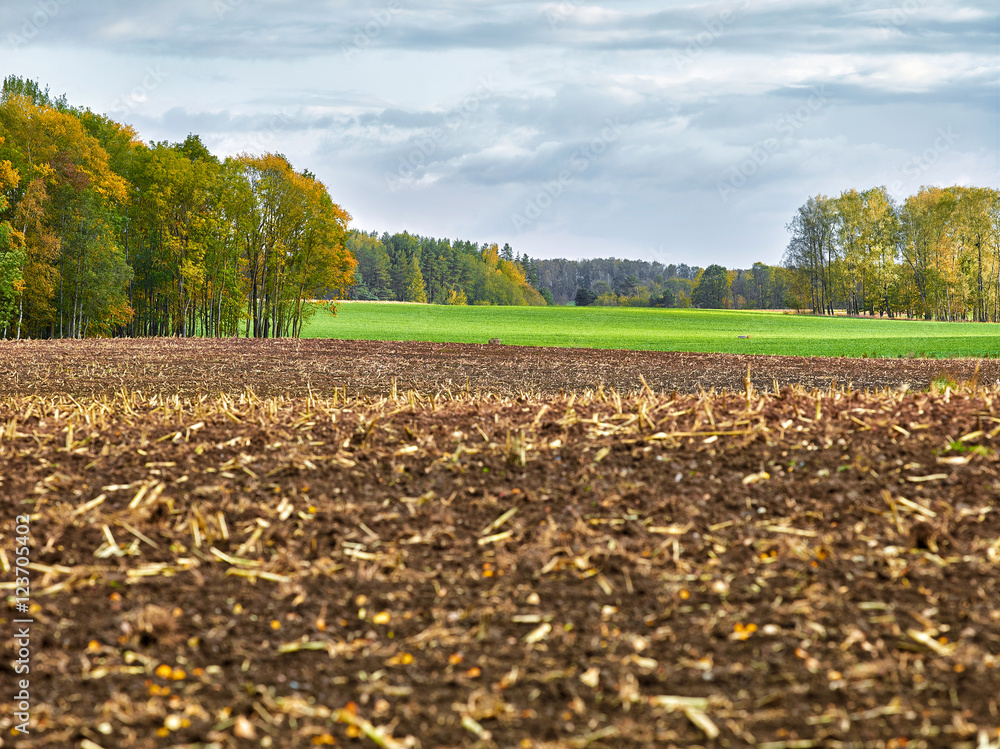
{"points": [[416, 291]]}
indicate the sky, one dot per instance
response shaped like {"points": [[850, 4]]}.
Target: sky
{"points": [[675, 132]]}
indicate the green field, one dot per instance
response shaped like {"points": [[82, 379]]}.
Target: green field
{"points": [[659, 330]]}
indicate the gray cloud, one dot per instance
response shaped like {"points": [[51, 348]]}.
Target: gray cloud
{"points": [[243, 29], [449, 117]]}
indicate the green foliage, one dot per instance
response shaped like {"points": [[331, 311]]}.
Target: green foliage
{"points": [[665, 299], [966, 448], [611, 282], [31, 90], [943, 382], [11, 262], [615, 282], [712, 289], [194, 150], [415, 290], [935, 256], [405, 267], [116, 237], [661, 330], [12, 254]]}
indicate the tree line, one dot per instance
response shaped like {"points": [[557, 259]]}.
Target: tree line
{"points": [[102, 234], [641, 283], [935, 256], [409, 268]]}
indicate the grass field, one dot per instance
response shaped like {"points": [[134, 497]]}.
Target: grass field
{"points": [[659, 330]]}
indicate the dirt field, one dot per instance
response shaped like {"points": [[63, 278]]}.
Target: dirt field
{"points": [[370, 368], [792, 568]]}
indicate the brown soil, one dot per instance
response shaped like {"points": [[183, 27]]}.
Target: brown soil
{"points": [[787, 569], [371, 367]]}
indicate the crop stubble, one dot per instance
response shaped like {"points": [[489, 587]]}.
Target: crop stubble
{"points": [[792, 568], [301, 367]]}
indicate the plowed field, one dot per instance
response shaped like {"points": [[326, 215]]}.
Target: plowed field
{"points": [[474, 558], [298, 367]]}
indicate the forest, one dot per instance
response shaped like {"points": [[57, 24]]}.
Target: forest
{"points": [[637, 283], [408, 268], [102, 234]]}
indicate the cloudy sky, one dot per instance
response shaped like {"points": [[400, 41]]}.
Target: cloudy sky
{"points": [[671, 131]]}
